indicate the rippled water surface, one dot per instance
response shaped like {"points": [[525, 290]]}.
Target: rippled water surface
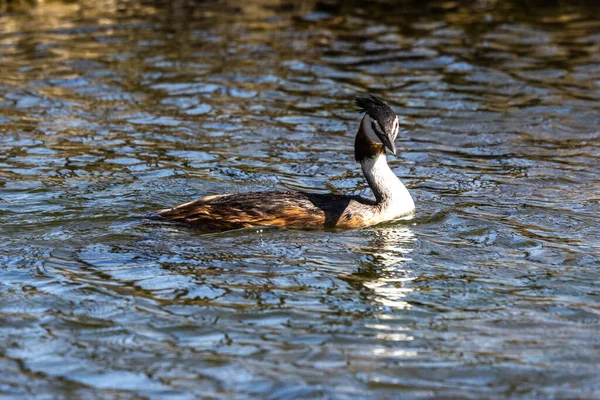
{"points": [[109, 111]]}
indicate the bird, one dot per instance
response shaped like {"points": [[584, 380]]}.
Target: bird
{"points": [[377, 131]]}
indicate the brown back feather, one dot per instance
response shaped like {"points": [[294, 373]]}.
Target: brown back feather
{"points": [[243, 210]]}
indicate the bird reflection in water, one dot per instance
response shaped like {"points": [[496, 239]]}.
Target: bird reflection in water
{"points": [[382, 265]]}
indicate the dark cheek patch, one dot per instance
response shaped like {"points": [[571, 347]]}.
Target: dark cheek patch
{"points": [[374, 127], [378, 132]]}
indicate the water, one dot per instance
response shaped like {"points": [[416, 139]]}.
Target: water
{"points": [[109, 111]]}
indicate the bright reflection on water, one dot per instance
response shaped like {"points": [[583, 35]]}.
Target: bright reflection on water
{"points": [[109, 110], [384, 256]]}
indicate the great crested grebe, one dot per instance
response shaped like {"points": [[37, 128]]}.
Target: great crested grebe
{"points": [[378, 130]]}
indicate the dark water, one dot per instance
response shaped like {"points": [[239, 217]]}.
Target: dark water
{"points": [[108, 111]]}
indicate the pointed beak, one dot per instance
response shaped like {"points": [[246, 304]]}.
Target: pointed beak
{"points": [[389, 143]]}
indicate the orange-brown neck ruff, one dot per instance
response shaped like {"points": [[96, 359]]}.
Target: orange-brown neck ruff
{"points": [[364, 147]]}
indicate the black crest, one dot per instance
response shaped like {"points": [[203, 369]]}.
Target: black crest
{"points": [[375, 108]]}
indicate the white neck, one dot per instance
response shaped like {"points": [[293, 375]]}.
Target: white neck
{"points": [[392, 196]]}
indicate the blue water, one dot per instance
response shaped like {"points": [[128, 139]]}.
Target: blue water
{"points": [[108, 112]]}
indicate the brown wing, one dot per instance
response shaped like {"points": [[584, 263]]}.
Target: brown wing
{"points": [[245, 210]]}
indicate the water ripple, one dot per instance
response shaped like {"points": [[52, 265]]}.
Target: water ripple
{"points": [[109, 113]]}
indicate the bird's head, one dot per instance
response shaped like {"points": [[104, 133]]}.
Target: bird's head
{"points": [[380, 121]]}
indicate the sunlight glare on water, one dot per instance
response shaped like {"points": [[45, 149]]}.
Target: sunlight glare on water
{"points": [[110, 110]]}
